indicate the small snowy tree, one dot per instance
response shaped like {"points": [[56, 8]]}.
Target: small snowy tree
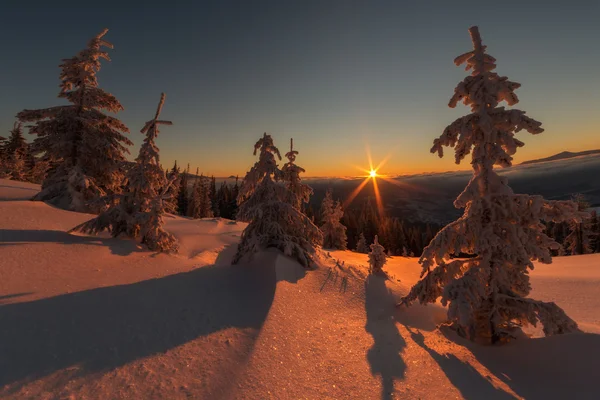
{"points": [[377, 257], [486, 293], [137, 213], [194, 204], [579, 241], [16, 151], [334, 233], [206, 209], [87, 145], [361, 245], [265, 166], [173, 193], [273, 222], [299, 192]]}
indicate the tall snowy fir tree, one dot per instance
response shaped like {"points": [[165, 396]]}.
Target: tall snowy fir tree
{"points": [[172, 194], [579, 240], [265, 166], [16, 153], [4, 173], [502, 231], [194, 204], [334, 233], [137, 213], [377, 257], [183, 194], [299, 192], [87, 145], [273, 221]]}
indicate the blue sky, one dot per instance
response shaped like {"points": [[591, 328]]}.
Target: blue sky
{"points": [[335, 75]]}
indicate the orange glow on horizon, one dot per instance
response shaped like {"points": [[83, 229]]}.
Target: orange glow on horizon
{"points": [[372, 174]]}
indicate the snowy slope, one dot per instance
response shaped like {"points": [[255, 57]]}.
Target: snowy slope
{"points": [[99, 318]]}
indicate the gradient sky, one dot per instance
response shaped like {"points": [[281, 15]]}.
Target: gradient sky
{"points": [[335, 75]]}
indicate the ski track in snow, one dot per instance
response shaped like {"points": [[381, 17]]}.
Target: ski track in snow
{"points": [[96, 318]]}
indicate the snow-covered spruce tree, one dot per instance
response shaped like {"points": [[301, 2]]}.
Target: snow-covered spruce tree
{"points": [[486, 293], [206, 209], [334, 233], [88, 145], [16, 151], [299, 192], [273, 221], [183, 196], [361, 244], [173, 193], [579, 240], [137, 212], [3, 162], [377, 257], [194, 207], [266, 165]]}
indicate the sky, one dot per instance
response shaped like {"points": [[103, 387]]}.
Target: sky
{"points": [[337, 76]]}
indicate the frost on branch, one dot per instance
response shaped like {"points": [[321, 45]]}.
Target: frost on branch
{"points": [[334, 233], [138, 211], [86, 146], [299, 192], [502, 232], [273, 221], [377, 257], [265, 166]]}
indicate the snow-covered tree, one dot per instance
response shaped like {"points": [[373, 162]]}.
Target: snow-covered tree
{"points": [[173, 193], [273, 222], [194, 206], [334, 233], [501, 230], [206, 209], [361, 245], [579, 241], [15, 152], [183, 195], [137, 213], [299, 192], [265, 166], [87, 145], [377, 257]]}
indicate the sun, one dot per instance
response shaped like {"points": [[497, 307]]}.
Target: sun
{"points": [[373, 173]]}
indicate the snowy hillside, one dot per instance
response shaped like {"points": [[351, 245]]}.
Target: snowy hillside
{"points": [[100, 318]]}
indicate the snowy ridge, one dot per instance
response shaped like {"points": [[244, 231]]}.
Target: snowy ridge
{"points": [[97, 318]]}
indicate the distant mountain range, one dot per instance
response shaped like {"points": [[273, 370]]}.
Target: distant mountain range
{"points": [[562, 156]]}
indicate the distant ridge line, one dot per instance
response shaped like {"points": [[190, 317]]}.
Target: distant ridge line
{"points": [[562, 156]]}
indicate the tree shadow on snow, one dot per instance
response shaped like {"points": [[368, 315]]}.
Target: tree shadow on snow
{"points": [[555, 367], [384, 356], [462, 375], [108, 327], [121, 247]]}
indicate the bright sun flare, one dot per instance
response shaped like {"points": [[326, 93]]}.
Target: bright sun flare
{"points": [[373, 173]]}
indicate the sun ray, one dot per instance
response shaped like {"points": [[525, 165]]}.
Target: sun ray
{"points": [[355, 192], [378, 197]]}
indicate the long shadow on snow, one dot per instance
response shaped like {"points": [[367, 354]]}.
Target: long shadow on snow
{"points": [[384, 356], [108, 327], [463, 376], [121, 247], [555, 367]]}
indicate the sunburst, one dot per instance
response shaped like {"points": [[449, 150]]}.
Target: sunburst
{"points": [[373, 174]]}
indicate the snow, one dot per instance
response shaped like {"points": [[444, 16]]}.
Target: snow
{"points": [[97, 318]]}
